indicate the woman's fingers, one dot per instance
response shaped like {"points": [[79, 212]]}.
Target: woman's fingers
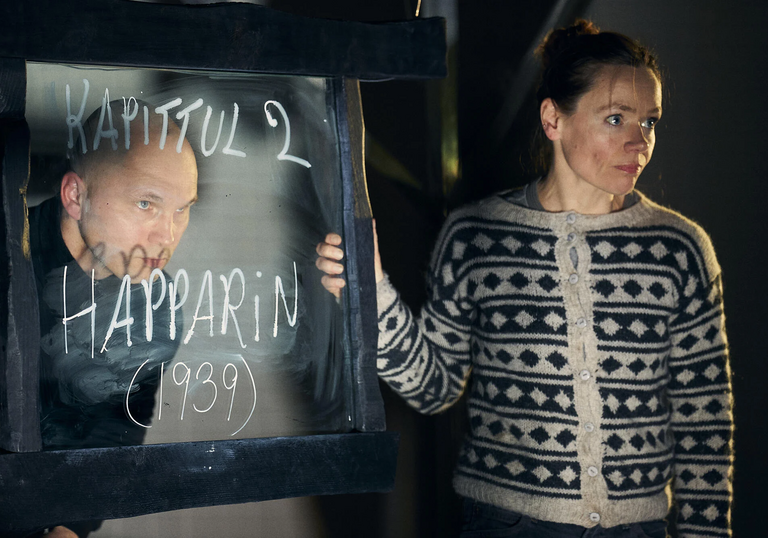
{"points": [[328, 255], [333, 285], [328, 266]]}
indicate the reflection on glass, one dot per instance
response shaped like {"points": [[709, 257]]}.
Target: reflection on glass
{"points": [[173, 218]]}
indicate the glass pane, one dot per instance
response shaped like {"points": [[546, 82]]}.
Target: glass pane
{"points": [[173, 219]]}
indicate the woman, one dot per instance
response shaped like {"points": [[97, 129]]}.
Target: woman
{"points": [[589, 318]]}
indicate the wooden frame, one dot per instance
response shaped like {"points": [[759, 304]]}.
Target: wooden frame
{"points": [[232, 37]]}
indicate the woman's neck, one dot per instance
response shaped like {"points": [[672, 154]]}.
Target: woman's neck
{"points": [[558, 193]]}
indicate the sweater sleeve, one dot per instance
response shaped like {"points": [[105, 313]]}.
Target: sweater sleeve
{"points": [[702, 420], [427, 359]]}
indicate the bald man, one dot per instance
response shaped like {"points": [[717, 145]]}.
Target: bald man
{"points": [[119, 215]]}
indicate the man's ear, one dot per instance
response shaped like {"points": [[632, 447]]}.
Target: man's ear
{"points": [[73, 194], [551, 119]]}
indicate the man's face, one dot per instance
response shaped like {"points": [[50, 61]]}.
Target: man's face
{"points": [[136, 210]]}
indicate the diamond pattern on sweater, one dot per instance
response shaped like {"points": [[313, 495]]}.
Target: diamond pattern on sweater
{"points": [[556, 360], [567, 475], [538, 396], [638, 328], [491, 281], [605, 249], [622, 403], [616, 477], [565, 438], [688, 442], [563, 400], [632, 288], [631, 477], [632, 249], [515, 467], [547, 283], [540, 435], [554, 321], [658, 250], [498, 319], [542, 473], [609, 326], [716, 443], [712, 372], [711, 513], [483, 242], [541, 247], [700, 478], [530, 358], [685, 377], [610, 365], [524, 319], [605, 288], [658, 290], [519, 281], [511, 244]]}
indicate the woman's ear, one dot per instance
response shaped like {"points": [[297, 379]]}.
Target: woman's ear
{"points": [[551, 118], [73, 194]]}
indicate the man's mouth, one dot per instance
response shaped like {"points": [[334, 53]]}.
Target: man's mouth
{"points": [[155, 263]]}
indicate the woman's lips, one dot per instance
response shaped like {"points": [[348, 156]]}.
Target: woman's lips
{"points": [[629, 168]]}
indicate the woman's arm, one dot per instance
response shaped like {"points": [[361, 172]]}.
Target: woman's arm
{"points": [[425, 359], [702, 419]]}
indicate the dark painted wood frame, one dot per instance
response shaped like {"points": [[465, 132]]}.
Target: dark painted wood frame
{"points": [[47, 488]]}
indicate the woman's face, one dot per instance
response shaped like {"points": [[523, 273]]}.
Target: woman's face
{"points": [[608, 140]]}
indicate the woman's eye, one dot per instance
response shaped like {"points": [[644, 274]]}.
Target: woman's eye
{"points": [[614, 119], [650, 123], [143, 204]]}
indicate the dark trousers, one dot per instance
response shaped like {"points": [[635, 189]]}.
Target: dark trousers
{"points": [[487, 521]]}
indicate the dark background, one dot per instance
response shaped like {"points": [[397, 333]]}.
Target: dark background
{"points": [[434, 145]]}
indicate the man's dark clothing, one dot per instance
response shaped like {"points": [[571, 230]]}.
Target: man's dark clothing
{"points": [[82, 388]]}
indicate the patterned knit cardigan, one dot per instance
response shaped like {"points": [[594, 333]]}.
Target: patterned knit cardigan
{"points": [[591, 386]]}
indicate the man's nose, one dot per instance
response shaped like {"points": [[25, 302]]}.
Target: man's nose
{"points": [[163, 232]]}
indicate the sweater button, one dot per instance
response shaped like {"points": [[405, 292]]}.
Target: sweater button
{"points": [[589, 427], [571, 237], [594, 517], [581, 323], [570, 218], [574, 278], [592, 471], [584, 374]]}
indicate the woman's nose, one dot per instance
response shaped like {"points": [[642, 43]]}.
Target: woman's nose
{"points": [[638, 141]]}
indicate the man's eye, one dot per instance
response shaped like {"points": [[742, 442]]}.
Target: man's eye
{"points": [[615, 119], [143, 204]]}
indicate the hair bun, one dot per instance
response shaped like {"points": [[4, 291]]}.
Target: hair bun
{"points": [[563, 38]]}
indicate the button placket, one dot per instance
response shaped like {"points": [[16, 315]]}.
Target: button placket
{"points": [[574, 262]]}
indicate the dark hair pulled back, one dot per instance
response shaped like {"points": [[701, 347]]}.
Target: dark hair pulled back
{"points": [[572, 58]]}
